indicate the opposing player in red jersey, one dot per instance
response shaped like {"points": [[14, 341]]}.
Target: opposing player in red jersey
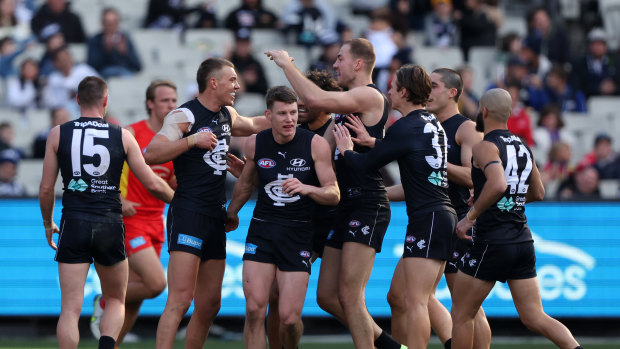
{"points": [[143, 214]]}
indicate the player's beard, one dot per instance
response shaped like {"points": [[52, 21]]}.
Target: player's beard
{"points": [[480, 123]]}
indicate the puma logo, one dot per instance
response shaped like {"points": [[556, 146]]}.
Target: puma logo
{"points": [[283, 154]]}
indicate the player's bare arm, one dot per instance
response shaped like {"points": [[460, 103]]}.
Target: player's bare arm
{"points": [[169, 142], [151, 181], [466, 137], [328, 193], [48, 182], [486, 157], [536, 190], [243, 187], [395, 192], [243, 126], [234, 165], [363, 99]]}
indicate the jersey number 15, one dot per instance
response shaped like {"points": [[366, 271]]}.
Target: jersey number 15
{"points": [[89, 148]]}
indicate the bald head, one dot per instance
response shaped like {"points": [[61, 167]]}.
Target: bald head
{"points": [[498, 104]]}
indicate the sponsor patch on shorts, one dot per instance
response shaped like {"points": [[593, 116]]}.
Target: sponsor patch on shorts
{"points": [[250, 248], [137, 242], [190, 241]]}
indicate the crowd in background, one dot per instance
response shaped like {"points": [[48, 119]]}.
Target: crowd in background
{"points": [[551, 69]]}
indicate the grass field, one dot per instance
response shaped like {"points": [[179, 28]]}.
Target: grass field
{"points": [[218, 344]]}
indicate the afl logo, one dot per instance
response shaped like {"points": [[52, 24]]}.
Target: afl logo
{"points": [[204, 129], [354, 224], [225, 128], [266, 163], [410, 239], [297, 162], [304, 254]]}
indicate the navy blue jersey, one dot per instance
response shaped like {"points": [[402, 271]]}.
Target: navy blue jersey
{"points": [[319, 131], [418, 142], [459, 195], [505, 222], [201, 173], [91, 157], [367, 182], [277, 162]]}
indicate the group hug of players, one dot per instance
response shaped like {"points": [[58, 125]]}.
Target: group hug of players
{"points": [[320, 194]]}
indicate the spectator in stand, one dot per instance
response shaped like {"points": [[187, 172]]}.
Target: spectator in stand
{"points": [[63, 82], [478, 24], [581, 186], [309, 20], [9, 50], [325, 62], [7, 134], [549, 131], [516, 73], [519, 121], [557, 168], [554, 41], [9, 187], [537, 64], [251, 14], [410, 14], [52, 43], [171, 14], [24, 91], [468, 102], [440, 28], [381, 35], [112, 52], [598, 72], [559, 92], [58, 116], [7, 13], [251, 72], [55, 16], [602, 158]]}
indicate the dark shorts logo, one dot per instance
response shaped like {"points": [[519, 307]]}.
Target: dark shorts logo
{"points": [[354, 223], [204, 129], [250, 248], [190, 241], [410, 239], [266, 163], [297, 162], [455, 255], [330, 234], [304, 254]]}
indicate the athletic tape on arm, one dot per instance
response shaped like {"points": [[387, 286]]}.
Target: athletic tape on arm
{"points": [[177, 116]]}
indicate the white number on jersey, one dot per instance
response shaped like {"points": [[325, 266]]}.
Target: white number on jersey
{"points": [[435, 162], [516, 183], [89, 149]]}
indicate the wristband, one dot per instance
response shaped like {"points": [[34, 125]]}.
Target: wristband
{"points": [[191, 141], [467, 216]]}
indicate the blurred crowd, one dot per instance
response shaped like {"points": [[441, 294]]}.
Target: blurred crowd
{"points": [[551, 68]]}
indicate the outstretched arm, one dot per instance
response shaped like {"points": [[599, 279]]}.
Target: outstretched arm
{"points": [[328, 193], [243, 126], [391, 148]]}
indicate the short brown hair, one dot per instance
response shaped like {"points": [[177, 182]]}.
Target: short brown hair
{"points": [[91, 90], [362, 48], [150, 91], [451, 79], [324, 80], [280, 94], [208, 68], [416, 81]]}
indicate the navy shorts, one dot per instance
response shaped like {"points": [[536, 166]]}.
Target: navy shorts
{"points": [[429, 235], [500, 262], [364, 222], [195, 233], [459, 247], [324, 228], [82, 241], [288, 248]]}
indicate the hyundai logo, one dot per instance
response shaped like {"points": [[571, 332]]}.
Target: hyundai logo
{"points": [[297, 162]]}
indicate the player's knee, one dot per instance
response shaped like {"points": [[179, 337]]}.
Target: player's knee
{"points": [[327, 301], [155, 288], [290, 319], [396, 300], [533, 322], [348, 298], [255, 311]]}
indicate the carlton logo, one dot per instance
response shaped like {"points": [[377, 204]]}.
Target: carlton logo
{"points": [[304, 254], [354, 224], [266, 163], [297, 162], [410, 239], [204, 129]]}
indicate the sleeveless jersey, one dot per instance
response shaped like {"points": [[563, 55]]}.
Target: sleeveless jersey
{"points": [[277, 162], [132, 189], [91, 157], [356, 183], [459, 195], [505, 222], [418, 142], [319, 131], [201, 173]]}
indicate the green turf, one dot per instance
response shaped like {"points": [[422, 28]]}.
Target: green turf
{"points": [[216, 344]]}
